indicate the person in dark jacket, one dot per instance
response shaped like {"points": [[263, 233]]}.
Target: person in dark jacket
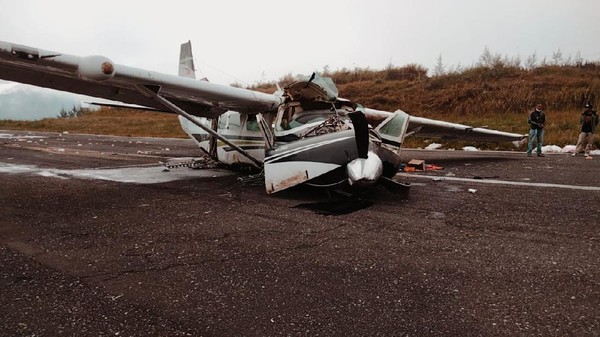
{"points": [[537, 120], [588, 122]]}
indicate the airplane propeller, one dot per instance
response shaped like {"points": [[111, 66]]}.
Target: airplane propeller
{"points": [[361, 132]]}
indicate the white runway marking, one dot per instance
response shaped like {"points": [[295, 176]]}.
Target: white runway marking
{"points": [[503, 182], [136, 175], [12, 136]]}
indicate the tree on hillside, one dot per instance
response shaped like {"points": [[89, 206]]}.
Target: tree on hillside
{"points": [[557, 57], [531, 61], [487, 59], [75, 111], [439, 68]]}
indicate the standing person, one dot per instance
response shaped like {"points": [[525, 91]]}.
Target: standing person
{"points": [[537, 120], [588, 122]]}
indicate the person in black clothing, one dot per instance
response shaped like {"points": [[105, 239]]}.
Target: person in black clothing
{"points": [[588, 122], [537, 120]]}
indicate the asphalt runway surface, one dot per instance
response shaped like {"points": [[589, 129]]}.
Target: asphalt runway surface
{"points": [[97, 240]]}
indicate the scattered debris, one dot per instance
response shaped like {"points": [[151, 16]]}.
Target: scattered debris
{"points": [[552, 149], [472, 190], [204, 162], [417, 164], [433, 146], [432, 167], [253, 179]]}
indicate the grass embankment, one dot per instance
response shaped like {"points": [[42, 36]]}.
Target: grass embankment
{"points": [[499, 97], [107, 121]]}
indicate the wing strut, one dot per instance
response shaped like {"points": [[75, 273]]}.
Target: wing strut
{"points": [[153, 91]]}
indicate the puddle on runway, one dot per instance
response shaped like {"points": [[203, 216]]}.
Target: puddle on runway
{"points": [[135, 175]]}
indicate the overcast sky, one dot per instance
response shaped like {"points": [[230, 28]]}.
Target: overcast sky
{"points": [[250, 41]]}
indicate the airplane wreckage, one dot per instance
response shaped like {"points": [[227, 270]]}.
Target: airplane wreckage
{"points": [[303, 133]]}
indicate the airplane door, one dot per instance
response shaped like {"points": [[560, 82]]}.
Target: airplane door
{"points": [[266, 131], [393, 129]]}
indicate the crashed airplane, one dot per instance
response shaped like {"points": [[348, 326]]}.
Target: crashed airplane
{"points": [[303, 133]]}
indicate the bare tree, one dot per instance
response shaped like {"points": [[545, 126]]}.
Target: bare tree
{"points": [[439, 68], [557, 57], [531, 61], [487, 59]]}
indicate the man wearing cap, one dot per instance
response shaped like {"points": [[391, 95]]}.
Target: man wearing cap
{"points": [[537, 119], [588, 122]]}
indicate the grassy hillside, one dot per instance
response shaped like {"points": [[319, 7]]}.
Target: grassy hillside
{"points": [[107, 121], [499, 96]]}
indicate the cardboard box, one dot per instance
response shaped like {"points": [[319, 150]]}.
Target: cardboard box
{"points": [[417, 164]]}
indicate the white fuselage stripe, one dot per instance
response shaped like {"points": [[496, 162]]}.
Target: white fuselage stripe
{"points": [[304, 148], [503, 182]]}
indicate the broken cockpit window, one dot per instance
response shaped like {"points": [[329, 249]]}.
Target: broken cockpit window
{"points": [[313, 88]]}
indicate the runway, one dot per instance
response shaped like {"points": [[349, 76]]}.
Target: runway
{"points": [[96, 238]]}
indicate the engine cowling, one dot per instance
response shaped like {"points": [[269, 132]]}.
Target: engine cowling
{"points": [[96, 68], [364, 172]]}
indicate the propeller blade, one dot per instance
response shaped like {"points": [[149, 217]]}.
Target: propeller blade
{"points": [[361, 132]]}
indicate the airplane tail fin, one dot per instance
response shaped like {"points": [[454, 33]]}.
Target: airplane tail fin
{"points": [[186, 61]]}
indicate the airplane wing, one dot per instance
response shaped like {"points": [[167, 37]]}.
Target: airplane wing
{"points": [[431, 128], [98, 76]]}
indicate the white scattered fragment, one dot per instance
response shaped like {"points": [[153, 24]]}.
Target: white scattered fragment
{"points": [[470, 148], [65, 132], [472, 190], [595, 152], [433, 146], [60, 149], [116, 297], [552, 149], [568, 149]]}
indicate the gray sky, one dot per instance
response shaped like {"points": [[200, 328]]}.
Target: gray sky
{"points": [[250, 41]]}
